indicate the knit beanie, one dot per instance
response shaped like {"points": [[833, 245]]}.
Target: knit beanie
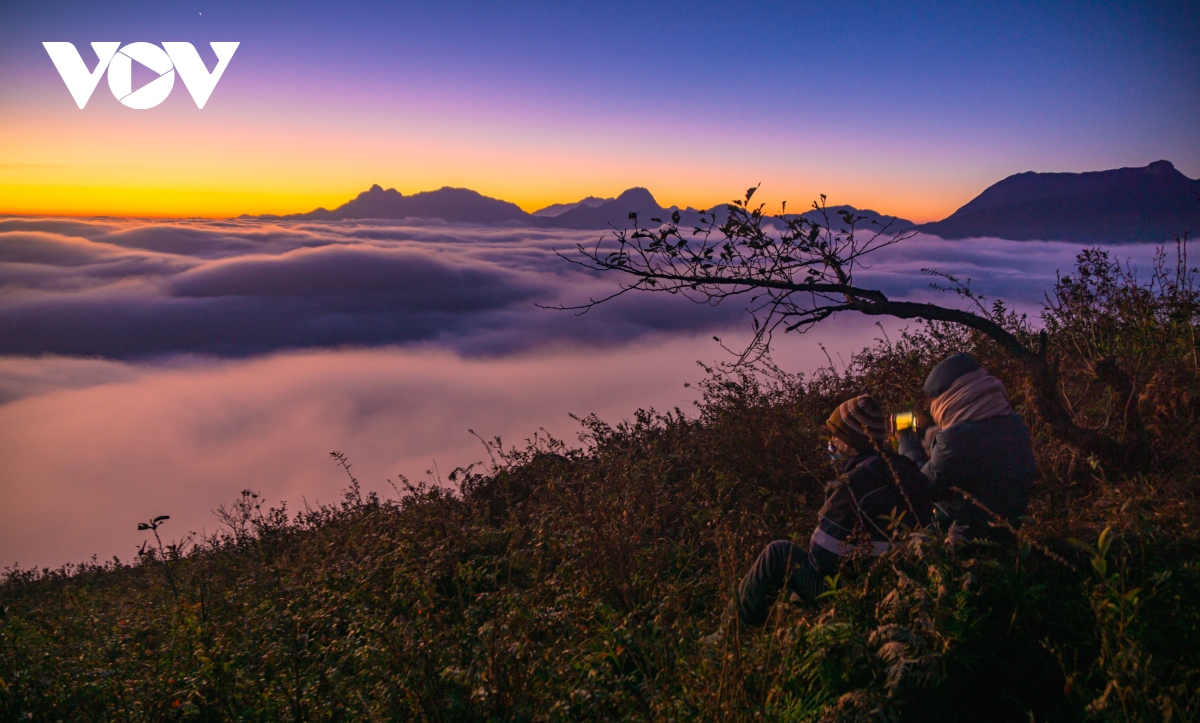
{"points": [[944, 374], [856, 421]]}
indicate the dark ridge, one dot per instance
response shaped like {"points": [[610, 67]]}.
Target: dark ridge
{"points": [[449, 204], [591, 213], [610, 213], [1150, 204], [557, 209], [871, 221]]}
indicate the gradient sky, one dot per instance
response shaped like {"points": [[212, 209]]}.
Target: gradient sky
{"points": [[911, 109]]}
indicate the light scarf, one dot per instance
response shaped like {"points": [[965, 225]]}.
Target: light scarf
{"points": [[974, 396]]}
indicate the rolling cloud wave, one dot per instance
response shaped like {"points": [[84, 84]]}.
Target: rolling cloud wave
{"points": [[127, 289], [114, 405]]}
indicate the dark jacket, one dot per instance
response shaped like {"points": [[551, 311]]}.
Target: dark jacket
{"points": [[992, 459], [860, 500]]}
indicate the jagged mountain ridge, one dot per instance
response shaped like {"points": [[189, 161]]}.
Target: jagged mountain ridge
{"points": [[467, 206], [557, 209], [450, 204], [1153, 203], [614, 212]]}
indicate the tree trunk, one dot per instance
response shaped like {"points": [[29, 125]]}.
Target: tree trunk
{"points": [[1042, 375]]}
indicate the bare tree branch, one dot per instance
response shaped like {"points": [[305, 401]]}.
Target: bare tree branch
{"points": [[798, 272]]}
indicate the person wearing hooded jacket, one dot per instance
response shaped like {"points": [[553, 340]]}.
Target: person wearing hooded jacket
{"points": [[874, 486], [978, 444]]}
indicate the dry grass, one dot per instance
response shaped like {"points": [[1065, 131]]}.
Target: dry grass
{"points": [[576, 582]]}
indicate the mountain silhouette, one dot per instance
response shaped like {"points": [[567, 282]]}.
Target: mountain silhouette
{"points": [[449, 204], [614, 212], [871, 221], [1153, 203], [591, 213], [557, 209]]}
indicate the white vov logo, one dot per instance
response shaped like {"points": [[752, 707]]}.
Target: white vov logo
{"points": [[119, 63]]}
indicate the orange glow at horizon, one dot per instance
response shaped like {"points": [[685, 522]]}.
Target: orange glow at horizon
{"points": [[132, 199], [218, 166]]}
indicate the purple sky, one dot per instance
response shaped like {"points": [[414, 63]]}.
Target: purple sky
{"points": [[911, 109]]}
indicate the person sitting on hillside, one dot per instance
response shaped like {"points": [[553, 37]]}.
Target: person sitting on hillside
{"points": [[978, 444], [873, 486]]}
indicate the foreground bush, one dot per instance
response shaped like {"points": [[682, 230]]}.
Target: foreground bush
{"points": [[578, 583]]}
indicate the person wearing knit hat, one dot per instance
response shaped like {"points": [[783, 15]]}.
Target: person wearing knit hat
{"points": [[873, 483], [977, 444], [857, 421]]}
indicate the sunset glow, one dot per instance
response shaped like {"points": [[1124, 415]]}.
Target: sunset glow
{"points": [[316, 107]]}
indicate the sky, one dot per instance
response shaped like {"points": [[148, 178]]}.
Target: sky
{"points": [[910, 109]]}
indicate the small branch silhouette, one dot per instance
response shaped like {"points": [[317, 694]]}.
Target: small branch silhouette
{"points": [[153, 526]]}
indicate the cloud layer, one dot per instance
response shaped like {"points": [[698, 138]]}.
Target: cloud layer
{"points": [[126, 289], [94, 447], [123, 290], [160, 368]]}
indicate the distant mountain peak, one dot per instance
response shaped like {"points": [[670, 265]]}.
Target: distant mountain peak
{"points": [[467, 206], [376, 190], [447, 203], [867, 220], [1152, 203], [612, 212], [557, 209], [637, 194]]}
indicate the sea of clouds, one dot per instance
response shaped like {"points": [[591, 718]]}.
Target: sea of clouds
{"points": [[152, 367]]}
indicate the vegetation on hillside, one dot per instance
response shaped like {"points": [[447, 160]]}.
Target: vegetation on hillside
{"points": [[577, 582]]}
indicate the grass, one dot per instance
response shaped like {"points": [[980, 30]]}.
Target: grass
{"points": [[576, 582]]}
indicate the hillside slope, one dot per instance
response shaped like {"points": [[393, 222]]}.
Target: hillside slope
{"points": [[585, 584]]}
